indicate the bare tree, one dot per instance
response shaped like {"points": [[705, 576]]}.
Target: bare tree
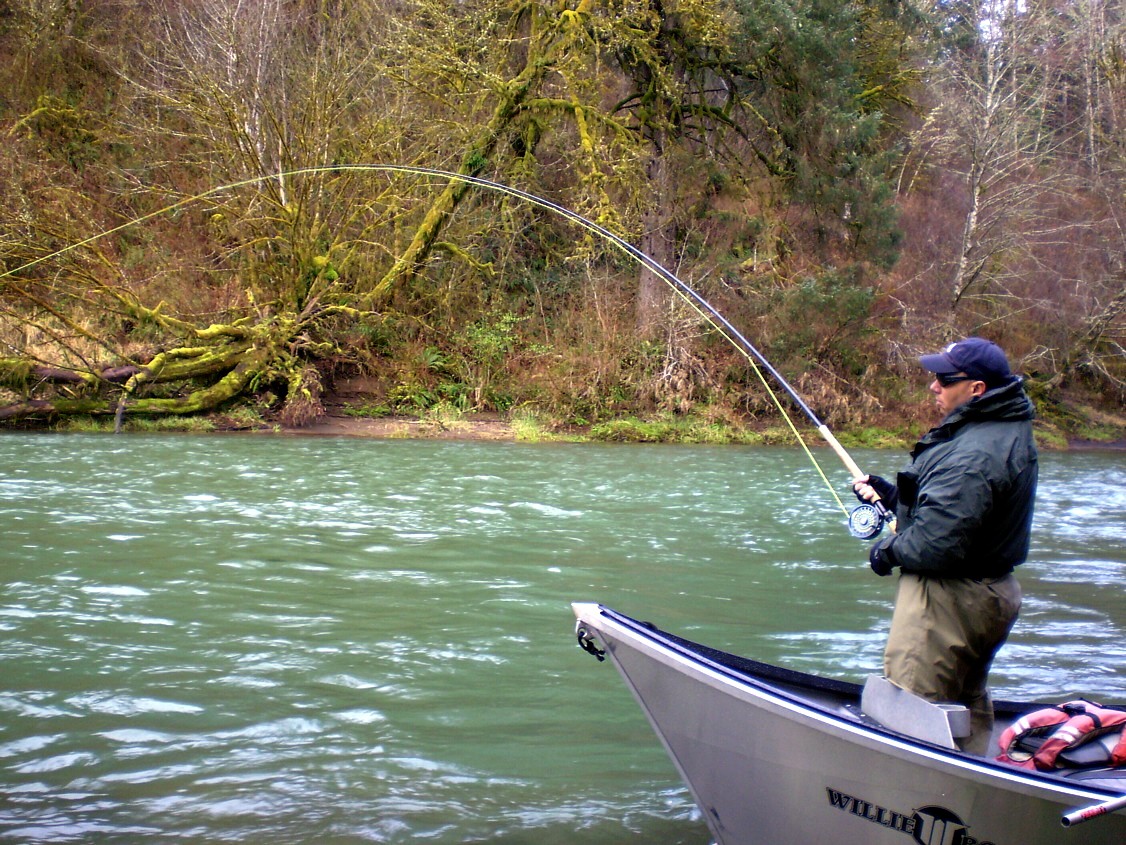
{"points": [[993, 128], [1095, 44]]}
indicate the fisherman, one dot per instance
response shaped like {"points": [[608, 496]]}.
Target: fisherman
{"points": [[964, 514]]}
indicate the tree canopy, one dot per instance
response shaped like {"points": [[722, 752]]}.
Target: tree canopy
{"points": [[189, 223]]}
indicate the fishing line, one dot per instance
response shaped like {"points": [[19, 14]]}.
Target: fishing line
{"points": [[865, 521]]}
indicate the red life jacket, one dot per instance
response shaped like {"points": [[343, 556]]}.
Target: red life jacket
{"points": [[1066, 726]]}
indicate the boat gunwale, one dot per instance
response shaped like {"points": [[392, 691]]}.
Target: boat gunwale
{"points": [[685, 650]]}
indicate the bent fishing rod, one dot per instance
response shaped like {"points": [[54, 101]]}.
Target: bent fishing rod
{"points": [[865, 521]]}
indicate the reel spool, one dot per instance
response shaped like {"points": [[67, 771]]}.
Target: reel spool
{"points": [[865, 522]]}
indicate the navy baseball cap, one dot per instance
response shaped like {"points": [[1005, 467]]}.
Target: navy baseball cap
{"points": [[977, 357]]}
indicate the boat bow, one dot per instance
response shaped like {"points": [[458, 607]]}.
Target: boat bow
{"points": [[776, 756]]}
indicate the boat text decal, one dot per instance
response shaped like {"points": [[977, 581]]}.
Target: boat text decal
{"points": [[926, 825]]}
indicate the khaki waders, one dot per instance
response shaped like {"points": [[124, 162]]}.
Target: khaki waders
{"points": [[944, 635]]}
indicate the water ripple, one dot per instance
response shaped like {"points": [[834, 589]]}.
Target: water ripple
{"points": [[256, 640]]}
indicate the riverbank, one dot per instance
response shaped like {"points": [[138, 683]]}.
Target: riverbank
{"points": [[491, 427], [494, 427], [345, 419]]}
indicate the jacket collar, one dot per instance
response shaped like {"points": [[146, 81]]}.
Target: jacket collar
{"points": [[1008, 403]]}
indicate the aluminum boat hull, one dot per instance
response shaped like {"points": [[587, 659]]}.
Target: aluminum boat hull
{"points": [[774, 757]]}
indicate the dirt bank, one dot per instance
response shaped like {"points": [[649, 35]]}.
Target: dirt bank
{"points": [[469, 428]]}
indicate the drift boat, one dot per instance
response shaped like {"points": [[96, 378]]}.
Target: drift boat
{"points": [[777, 757]]}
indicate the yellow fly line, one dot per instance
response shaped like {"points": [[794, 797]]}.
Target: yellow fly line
{"points": [[697, 302], [771, 393]]}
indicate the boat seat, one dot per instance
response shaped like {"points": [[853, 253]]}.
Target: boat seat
{"points": [[906, 713], [1111, 779]]}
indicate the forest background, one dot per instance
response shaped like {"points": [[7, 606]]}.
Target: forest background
{"points": [[188, 230]]}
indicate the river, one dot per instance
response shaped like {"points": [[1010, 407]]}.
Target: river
{"points": [[265, 639]]}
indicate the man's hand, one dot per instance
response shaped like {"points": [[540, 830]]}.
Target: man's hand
{"points": [[872, 487], [881, 559]]}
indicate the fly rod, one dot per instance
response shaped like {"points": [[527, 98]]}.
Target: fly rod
{"points": [[864, 521]]}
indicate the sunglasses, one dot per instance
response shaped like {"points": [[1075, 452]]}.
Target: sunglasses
{"points": [[947, 379]]}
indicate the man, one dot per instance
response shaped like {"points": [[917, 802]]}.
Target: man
{"points": [[964, 513]]}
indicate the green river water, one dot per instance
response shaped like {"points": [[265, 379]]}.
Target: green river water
{"points": [[264, 639]]}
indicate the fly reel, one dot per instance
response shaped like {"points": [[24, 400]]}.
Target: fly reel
{"points": [[867, 521]]}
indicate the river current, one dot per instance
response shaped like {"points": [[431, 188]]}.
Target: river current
{"points": [[264, 639]]}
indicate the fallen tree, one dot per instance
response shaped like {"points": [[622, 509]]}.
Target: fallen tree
{"points": [[223, 362]]}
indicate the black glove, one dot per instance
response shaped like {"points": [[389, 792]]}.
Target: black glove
{"points": [[888, 492], [881, 558]]}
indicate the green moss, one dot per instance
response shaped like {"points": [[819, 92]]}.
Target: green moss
{"points": [[105, 424], [1100, 433], [83, 424], [529, 427], [191, 425], [876, 438], [631, 430], [1050, 438], [367, 410], [671, 429], [1059, 421]]}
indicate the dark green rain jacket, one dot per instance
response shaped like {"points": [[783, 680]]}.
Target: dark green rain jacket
{"points": [[965, 500]]}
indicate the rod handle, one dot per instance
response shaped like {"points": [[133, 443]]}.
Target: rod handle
{"points": [[851, 465], [845, 457]]}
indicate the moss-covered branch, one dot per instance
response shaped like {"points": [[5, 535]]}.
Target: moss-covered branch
{"points": [[550, 43]]}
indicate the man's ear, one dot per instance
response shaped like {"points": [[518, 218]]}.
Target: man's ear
{"points": [[978, 388]]}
